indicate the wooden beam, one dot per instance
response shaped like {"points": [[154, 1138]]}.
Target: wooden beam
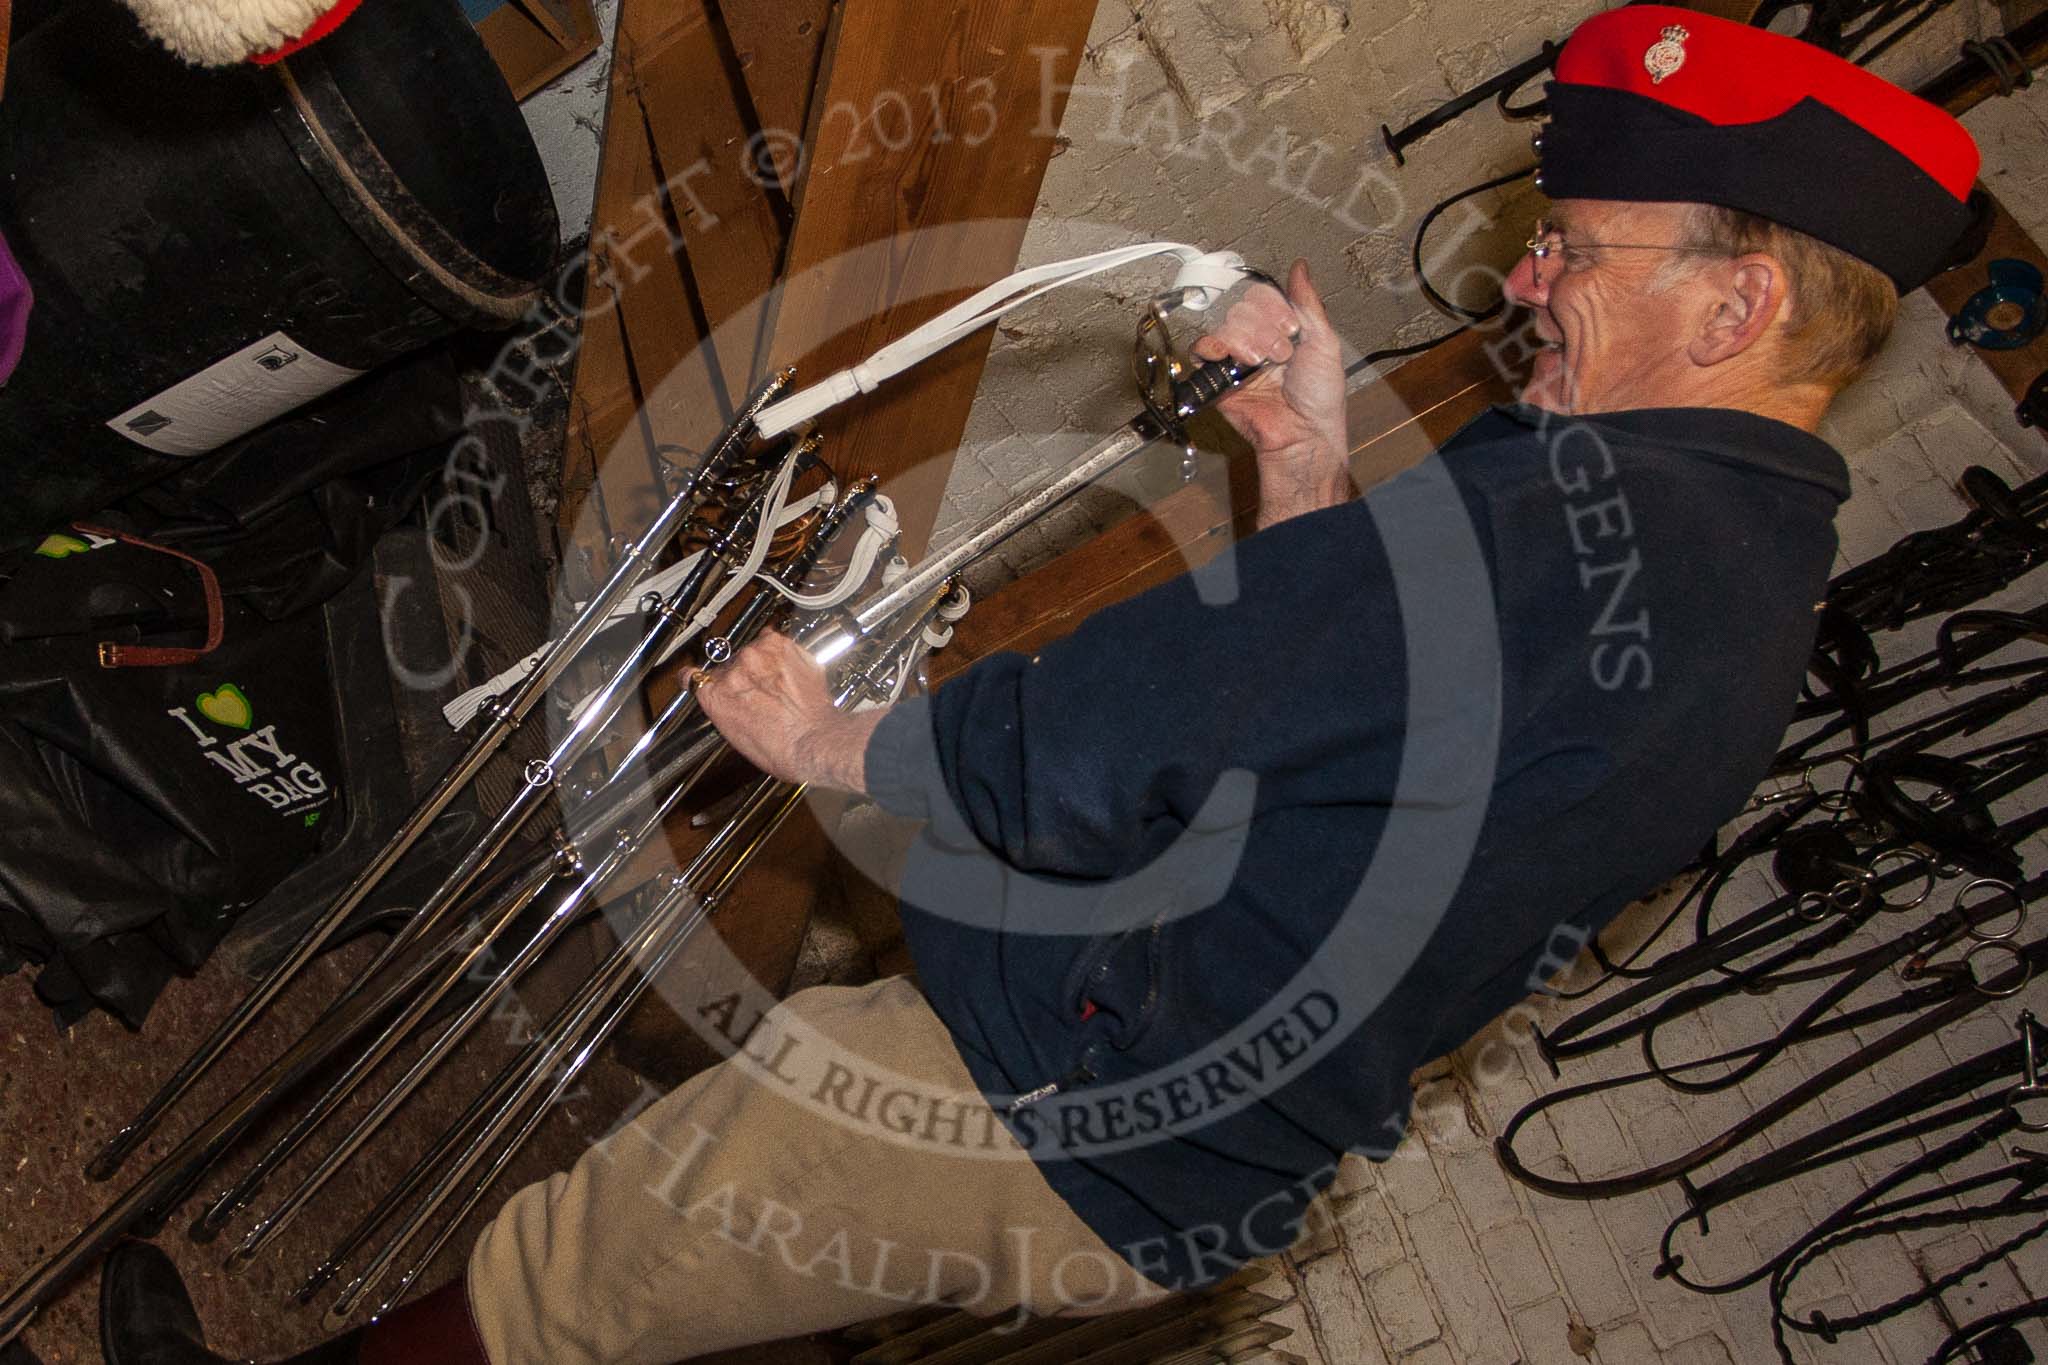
{"points": [[554, 17], [668, 355], [735, 237], [1971, 81], [779, 45], [602, 409], [534, 43], [933, 134], [684, 246]]}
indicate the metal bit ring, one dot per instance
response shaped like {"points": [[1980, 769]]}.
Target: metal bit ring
{"points": [[1998, 945], [1977, 931], [1911, 858]]}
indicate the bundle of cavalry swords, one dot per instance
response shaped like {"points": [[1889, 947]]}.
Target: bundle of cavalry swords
{"points": [[821, 566]]}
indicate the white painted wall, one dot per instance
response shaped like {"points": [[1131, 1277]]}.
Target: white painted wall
{"points": [[567, 121]]}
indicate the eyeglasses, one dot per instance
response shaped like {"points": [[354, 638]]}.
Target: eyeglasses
{"points": [[1550, 241]]}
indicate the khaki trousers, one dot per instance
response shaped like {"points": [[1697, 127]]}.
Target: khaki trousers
{"points": [[846, 1168]]}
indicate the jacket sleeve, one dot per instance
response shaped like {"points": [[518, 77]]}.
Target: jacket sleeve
{"points": [[1283, 657]]}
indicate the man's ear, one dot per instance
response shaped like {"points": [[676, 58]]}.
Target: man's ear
{"points": [[1754, 293]]}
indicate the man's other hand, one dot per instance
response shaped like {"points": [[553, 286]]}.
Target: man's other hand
{"points": [[772, 704]]}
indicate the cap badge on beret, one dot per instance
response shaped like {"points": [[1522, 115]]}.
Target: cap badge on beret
{"points": [[1664, 58]]}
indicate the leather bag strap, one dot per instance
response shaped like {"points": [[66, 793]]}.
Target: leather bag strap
{"points": [[113, 655]]}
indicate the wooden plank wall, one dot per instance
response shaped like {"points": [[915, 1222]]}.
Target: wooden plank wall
{"points": [[536, 41], [779, 45], [685, 242], [907, 143], [749, 140], [931, 145]]}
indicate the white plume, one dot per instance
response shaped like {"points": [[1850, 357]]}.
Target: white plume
{"points": [[224, 32]]}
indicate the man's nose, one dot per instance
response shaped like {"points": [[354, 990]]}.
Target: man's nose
{"points": [[1526, 284]]}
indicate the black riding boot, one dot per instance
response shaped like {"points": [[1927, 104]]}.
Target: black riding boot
{"points": [[147, 1318]]}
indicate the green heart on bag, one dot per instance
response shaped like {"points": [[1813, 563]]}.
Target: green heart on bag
{"points": [[227, 705], [61, 547]]}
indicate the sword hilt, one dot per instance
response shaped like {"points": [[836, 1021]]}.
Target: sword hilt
{"points": [[1209, 383]]}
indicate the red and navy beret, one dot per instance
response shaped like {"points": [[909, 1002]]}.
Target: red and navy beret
{"points": [[1651, 102]]}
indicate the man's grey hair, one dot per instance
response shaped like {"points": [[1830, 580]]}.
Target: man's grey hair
{"points": [[1842, 309]]}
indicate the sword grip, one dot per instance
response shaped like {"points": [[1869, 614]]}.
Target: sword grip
{"points": [[1209, 383]]}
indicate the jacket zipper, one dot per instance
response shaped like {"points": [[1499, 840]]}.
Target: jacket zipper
{"points": [[1083, 1073], [1080, 1075]]}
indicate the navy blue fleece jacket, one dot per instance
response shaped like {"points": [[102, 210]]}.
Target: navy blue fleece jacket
{"points": [[1202, 883]]}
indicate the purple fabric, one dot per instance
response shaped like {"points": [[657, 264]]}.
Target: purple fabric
{"points": [[15, 301]]}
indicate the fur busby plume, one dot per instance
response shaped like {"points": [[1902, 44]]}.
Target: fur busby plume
{"points": [[223, 32]]}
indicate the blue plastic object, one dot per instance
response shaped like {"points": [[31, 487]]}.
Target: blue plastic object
{"points": [[2014, 292]]}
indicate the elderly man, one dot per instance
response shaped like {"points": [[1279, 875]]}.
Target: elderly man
{"points": [[1199, 886]]}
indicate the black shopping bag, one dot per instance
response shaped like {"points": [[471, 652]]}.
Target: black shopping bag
{"points": [[149, 791], [168, 747]]}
